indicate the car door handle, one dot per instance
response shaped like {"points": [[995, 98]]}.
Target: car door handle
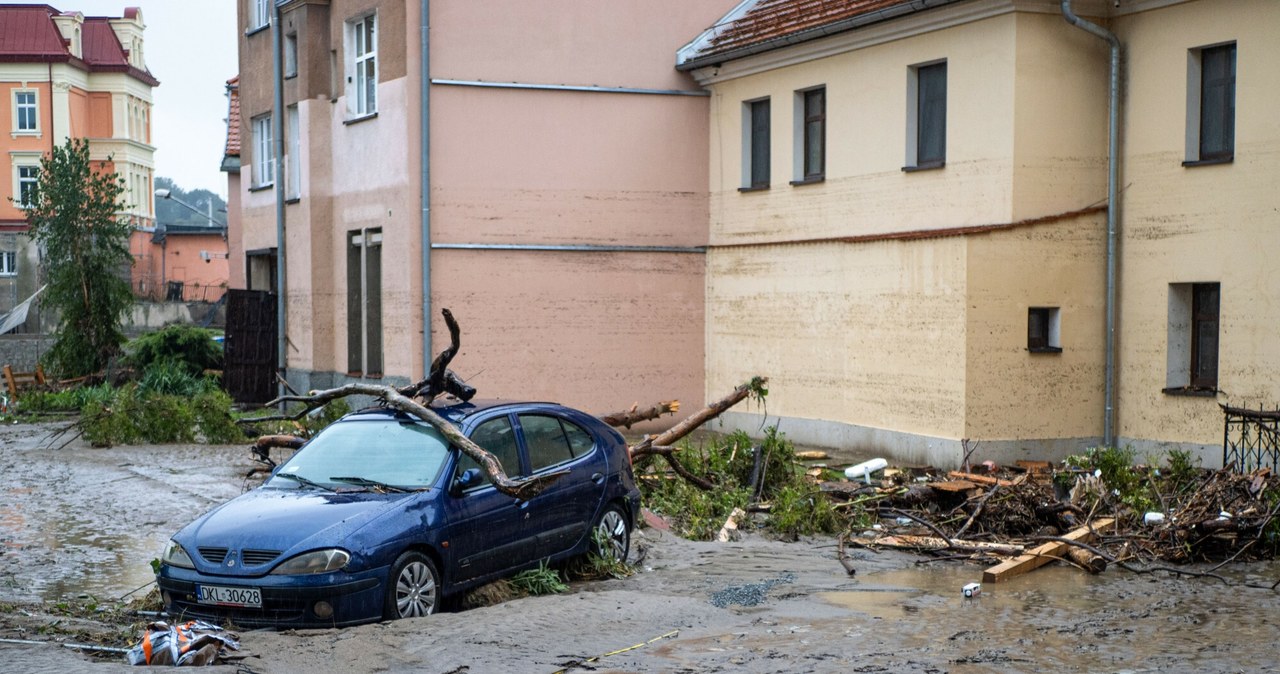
{"points": [[597, 478]]}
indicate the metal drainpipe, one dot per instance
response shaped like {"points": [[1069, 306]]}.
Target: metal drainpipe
{"points": [[424, 109], [277, 128], [1113, 165]]}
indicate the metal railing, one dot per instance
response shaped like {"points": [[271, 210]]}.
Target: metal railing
{"points": [[1250, 439]]}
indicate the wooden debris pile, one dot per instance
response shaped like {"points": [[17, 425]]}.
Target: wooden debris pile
{"points": [[1024, 516]]}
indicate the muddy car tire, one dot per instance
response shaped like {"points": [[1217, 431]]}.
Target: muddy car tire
{"points": [[413, 588], [611, 535]]}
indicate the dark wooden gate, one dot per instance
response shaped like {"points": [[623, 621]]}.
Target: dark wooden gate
{"points": [[250, 346]]}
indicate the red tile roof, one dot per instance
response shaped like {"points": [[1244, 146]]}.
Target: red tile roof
{"points": [[28, 33], [233, 117], [770, 24]]}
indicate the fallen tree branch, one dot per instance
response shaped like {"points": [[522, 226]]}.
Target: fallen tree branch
{"points": [[628, 418], [1127, 566], [978, 510], [715, 409]]}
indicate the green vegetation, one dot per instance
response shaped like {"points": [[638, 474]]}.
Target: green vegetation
{"points": [[73, 214], [796, 507], [539, 581], [176, 347], [1137, 487]]}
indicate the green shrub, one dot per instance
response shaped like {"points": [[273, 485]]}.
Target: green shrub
{"points": [[212, 411], [167, 419], [71, 400], [113, 422], [191, 348], [798, 510]]}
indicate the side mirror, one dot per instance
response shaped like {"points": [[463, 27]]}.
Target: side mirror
{"points": [[468, 479]]}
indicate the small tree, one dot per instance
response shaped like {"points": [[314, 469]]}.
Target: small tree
{"points": [[74, 217]]}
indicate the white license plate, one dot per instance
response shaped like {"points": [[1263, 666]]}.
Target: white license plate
{"points": [[229, 596]]}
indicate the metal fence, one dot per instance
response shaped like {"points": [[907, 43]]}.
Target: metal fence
{"points": [[1251, 439]]}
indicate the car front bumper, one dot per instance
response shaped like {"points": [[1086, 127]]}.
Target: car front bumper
{"points": [[287, 601]]}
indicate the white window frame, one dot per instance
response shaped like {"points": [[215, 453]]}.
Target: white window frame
{"points": [[261, 14], [35, 108], [292, 155], [8, 263], [358, 60], [32, 165], [264, 173]]}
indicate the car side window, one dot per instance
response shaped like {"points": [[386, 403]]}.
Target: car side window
{"points": [[546, 441], [580, 441], [498, 437]]}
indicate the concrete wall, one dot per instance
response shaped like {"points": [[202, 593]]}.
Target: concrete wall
{"points": [[23, 352], [1216, 223]]}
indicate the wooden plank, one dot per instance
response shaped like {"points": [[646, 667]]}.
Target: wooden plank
{"points": [[1043, 554], [904, 541], [980, 479]]}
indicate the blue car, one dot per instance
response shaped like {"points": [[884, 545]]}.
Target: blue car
{"points": [[379, 517]]}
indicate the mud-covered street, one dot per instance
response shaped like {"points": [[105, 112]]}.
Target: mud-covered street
{"points": [[79, 522]]}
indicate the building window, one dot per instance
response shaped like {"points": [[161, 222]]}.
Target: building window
{"points": [[810, 136], [292, 162], [755, 145], [364, 303], [25, 115], [261, 14], [8, 263], [263, 167], [27, 177], [291, 55], [1193, 337], [1211, 104], [926, 116], [1043, 330], [362, 78]]}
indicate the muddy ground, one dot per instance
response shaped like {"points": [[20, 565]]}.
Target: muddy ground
{"points": [[79, 522]]}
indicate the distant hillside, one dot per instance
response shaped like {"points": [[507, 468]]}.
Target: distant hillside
{"points": [[170, 212]]}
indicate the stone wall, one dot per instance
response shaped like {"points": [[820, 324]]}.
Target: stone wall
{"points": [[22, 352]]}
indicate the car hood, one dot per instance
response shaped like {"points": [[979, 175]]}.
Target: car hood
{"points": [[281, 521]]}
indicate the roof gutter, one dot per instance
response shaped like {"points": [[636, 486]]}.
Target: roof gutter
{"points": [[1113, 169], [841, 26]]}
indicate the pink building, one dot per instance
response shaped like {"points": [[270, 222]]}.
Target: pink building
{"points": [[554, 198]]}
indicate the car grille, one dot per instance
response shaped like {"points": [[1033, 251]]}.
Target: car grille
{"points": [[213, 555], [257, 557]]}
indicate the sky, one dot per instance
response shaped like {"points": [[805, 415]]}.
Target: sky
{"points": [[191, 48]]}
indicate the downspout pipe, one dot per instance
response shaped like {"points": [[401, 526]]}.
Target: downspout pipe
{"points": [[1113, 169], [277, 131], [424, 187]]}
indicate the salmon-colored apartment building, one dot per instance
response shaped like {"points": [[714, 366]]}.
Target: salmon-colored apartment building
{"points": [[540, 171], [64, 75]]}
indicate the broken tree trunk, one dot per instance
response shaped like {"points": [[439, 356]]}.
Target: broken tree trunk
{"points": [[715, 409], [934, 543], [661, 444], [628, 418], [1043, 554]]}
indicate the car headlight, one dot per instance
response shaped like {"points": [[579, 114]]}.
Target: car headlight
{"points": [[319, 561], [174, 555]]}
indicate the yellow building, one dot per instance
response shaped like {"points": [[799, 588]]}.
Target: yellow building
{"points": [[65, 75], [909, 222]]}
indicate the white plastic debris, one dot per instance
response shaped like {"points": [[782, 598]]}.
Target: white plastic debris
{"points": [[971, 590], [865, 469], [1153, 518]]}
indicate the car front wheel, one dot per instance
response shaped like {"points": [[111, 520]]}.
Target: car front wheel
{"points": [[414, 587], [611, 537]]}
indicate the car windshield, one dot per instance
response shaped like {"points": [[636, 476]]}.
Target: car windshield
{"points": [[364, 453]]}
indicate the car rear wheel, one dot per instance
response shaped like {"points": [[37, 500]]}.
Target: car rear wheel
{"points": [[414, 587], [611, 536]]}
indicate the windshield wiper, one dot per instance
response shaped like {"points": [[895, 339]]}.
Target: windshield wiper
{"points": [[366, 482], [304, 481]]}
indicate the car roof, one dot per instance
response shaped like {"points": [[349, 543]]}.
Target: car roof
{"points": [[452, 409]]}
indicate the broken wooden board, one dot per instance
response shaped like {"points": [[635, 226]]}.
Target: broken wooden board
{"points": [[953, 485], [1043, 554], [980, 479], [904, 541]]}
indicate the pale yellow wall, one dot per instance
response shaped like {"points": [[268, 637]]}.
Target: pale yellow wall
{"points": [[1060, 118], [1199, 224], [1011, 393], [866, 191], [868, 334]]}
